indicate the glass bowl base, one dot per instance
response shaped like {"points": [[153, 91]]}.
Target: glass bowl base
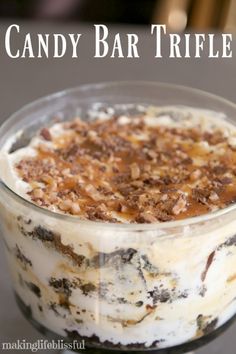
{"points": [[92, 347]]}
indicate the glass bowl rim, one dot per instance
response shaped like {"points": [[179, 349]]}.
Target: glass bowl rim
{"points": [[122, 226]]}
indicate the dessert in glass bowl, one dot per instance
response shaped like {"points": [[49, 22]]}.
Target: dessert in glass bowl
{"points": [[118, 215]]}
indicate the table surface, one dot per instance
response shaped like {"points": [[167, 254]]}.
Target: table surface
{"points": [[23, 80]]}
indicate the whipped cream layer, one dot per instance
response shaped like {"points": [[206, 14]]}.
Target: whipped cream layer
{"points": [[152, 288], [115, 285]]}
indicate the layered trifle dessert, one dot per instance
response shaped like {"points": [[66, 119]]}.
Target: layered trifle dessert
{"points": [[118, 233]]}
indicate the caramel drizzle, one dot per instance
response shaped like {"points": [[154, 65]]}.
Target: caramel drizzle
{"points": [[112, 169]]}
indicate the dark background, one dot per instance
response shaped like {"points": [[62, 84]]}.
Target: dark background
{"points": [[177, 14]]}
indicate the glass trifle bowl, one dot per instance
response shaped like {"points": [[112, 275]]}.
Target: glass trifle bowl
{"points": [[160, 287]]}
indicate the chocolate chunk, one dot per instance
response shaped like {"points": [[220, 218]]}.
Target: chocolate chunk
{"points": [[225, 180], [159, 295], [87, 288], [210, 326], [61, 285], [94, 340], [54, 240], [152, 181], [43, 234], [220, 169], [150, 308], [64, 302], [204, 325], [202, 290], [187, 161], [163, 215], [200, 195], [19, 255], [121, 178], [231, 241], [148, 266], [72, 334], [34, 288], [122, 255], [53, 306], [59, 308], [68, 251], [228, 243], [208, 264], [183, 295]]}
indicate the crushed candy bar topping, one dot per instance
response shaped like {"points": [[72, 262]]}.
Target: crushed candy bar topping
{"points": [[132, 169]]}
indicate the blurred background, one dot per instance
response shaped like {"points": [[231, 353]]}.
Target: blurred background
{"points": [[177, 14]]}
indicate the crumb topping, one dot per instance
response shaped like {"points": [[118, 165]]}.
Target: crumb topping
{"points": [[128, 170]]}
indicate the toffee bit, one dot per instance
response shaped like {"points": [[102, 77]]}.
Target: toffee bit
{"points": [[143, 173], [93, 192], [195, 175], [45, 133], [38, 193], [180, 205], [200, 195], [147, 167], [146, 217], [225, 180], [214, 196], [220, 169], [187, 161], [151, 154], [75, 208], [135, 171], [65, 205]]}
